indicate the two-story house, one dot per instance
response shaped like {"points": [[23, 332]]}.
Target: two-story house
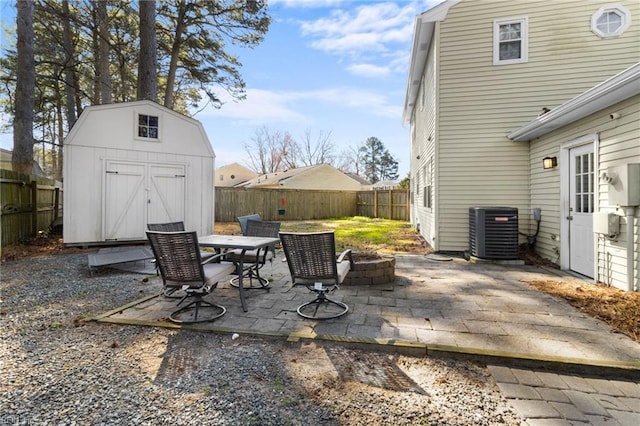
{"points": [[495, 87]]}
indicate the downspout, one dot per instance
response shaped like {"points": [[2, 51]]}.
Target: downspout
{"points": [[630, 212]]}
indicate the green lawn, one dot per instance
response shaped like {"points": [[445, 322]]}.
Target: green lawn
{"points": [[361, 234]]}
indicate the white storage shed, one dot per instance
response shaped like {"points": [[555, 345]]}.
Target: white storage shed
{"points": [[129, 164]]}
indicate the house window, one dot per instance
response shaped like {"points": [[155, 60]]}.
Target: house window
{"points": [[428, 184], [148, 126], [427, 197], [610, 21], [510, 41]]}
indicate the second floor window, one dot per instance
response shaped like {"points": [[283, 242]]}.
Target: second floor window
{"points": [[510, 43], [610, 21], [147, 126]]}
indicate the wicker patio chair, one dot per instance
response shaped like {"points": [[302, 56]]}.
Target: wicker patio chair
{"points": [[166, 227], [254, 260], [173, 293], [313, 263], [242, 220], [178, 257]]}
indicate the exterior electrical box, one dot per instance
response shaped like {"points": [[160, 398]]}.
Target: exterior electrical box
{"points": [[493, 232], [606, 223], [624, 188]]}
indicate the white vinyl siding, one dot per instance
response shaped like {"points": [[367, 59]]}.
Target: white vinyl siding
{"points": [[619, 143], [479, 103], [424, 146]]}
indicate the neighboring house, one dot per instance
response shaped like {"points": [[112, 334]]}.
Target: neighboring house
{"points": [[320, 176], [385, 184], [232, 175], [130, 164], [365, 184], [5, 163], [494, 87]]}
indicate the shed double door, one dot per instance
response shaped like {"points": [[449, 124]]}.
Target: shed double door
{"points": [[141, 193]]}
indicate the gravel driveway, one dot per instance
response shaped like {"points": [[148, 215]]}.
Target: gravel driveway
{"points": [[58, 369]]}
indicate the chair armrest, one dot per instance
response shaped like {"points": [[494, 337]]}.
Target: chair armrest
{"points": [[348, 254]]}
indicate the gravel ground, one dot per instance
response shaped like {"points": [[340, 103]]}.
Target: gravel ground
{"points": [[58, 369]]}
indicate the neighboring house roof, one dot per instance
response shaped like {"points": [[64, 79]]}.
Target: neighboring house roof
{"points": [[422, 37], [5, 163], [358, 178], [616, 89], [319, 176], [385, 184], [233, 174]]}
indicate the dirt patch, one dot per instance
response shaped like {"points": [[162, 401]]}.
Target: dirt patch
{"points": [[40, 246]]}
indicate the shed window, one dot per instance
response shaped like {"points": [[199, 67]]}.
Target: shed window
{"points": [[610, 21], [148, 126], [510, 42]]}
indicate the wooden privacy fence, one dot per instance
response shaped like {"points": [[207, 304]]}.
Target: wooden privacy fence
{"points": [[299, 204], [32, 204], [29, 204], [385, 204]]}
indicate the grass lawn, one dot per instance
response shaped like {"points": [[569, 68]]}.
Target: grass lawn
{"points": [[361, 234]]}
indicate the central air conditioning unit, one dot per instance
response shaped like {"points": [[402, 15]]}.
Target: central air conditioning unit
{"points": [[493, 232]]}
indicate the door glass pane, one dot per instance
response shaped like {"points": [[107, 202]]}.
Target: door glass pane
{"points": [[585, 163], [584, 179]]}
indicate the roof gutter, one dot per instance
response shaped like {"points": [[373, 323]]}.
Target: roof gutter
{"points": [[423, 29], [616, 89]]}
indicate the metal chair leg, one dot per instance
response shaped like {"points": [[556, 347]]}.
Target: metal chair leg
{"points": [[322, 299], [196, 306]]}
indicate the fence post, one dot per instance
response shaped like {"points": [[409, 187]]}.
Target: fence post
{"points": [[34, 208], [56, 201], [408, 205], [375, 204]]}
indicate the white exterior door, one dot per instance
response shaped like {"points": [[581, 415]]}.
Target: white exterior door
{"points": [[581, 207], [137, 194]]}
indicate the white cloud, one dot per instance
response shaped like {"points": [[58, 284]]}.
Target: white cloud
{"points": [[264, 106], [369, 70], [259, 107], [357, 99], [378, 34], [364, 28]]}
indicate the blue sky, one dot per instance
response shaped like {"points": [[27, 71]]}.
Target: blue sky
{"points": [[337, 66]]}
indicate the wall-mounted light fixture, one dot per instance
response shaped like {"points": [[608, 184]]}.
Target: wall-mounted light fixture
{"points": [[549, 162]]}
